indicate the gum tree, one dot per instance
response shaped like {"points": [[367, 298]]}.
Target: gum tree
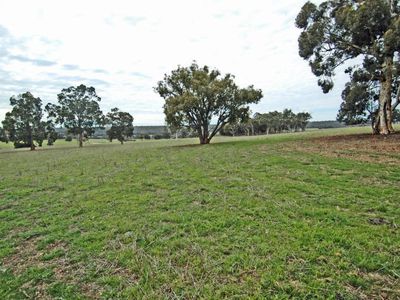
{"points": [[121, 125], [78, 110], [24, 123], [196, 96], [348, 32]]}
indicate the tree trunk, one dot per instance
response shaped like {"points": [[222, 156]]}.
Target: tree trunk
{"points": [[375, 122], [389, 115], [385, 99], [80, 140], [32, 145], [203, 134], [382, 116], [204, 140]]}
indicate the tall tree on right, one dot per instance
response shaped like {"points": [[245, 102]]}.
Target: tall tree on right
{"points": [[347, 32]]}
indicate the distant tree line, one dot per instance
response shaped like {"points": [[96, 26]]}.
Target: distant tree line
{"points": [[325, 124], [269, 123], [77, 110]]}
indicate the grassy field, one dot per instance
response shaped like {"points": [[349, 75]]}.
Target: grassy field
{"points": [[307, 215]]}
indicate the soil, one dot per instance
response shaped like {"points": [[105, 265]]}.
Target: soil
{"points": [[360, 147]]}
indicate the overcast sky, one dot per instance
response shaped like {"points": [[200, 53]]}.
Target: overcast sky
{"points": [[123, 48]]}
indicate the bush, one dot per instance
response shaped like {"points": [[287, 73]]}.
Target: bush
{"points": [[68, 138]]}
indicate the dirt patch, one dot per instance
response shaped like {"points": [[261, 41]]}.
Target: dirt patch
{"points": [[66, 270], [24, 257], [360, 147]]}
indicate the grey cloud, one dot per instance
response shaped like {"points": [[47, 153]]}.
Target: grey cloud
{"points": [[139, 74], [3, 31], [50, 82], [70, 67], [71, 80], [48, 41], [7, 41], [133, 20], [37, 62], [97, 82], [100, 71]]}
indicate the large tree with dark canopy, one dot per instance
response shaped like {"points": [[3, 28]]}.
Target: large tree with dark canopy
{"points": [[23, 124], [196, 96], [78, 110], [121, 125], [363, 35]]}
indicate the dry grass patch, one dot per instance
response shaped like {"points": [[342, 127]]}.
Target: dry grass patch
{"points": [[360, 147]]}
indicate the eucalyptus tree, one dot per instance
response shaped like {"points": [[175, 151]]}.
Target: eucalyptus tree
{"points": [[348, 32], [302, 119], [24, 124], [121, 125], [78, 110], [195, 96]]}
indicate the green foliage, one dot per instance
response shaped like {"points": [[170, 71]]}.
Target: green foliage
{"points": [[338, 31], [78, 110], [347, 32], [121, 125], [3, 136], [396, 116], [194, 96], [24, 124], [52, 135], [271, 122]]}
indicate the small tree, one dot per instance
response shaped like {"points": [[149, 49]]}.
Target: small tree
{"points": [[52, 134], [302, 120], [78, 110], [196, 96], [121, 125], [23, 123]]}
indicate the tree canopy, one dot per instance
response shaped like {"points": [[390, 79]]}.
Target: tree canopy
{"points": [[78, 110], [195, 96], [349, 32], [23, 125], [271, 122], [121, 125]]}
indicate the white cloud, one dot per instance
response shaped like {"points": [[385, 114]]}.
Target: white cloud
{"points": [[124, 47]]}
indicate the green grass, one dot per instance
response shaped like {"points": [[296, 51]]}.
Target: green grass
{"points": [[250, 217]]}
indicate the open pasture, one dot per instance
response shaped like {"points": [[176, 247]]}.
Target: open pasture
{"points": [[307, 215]]}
